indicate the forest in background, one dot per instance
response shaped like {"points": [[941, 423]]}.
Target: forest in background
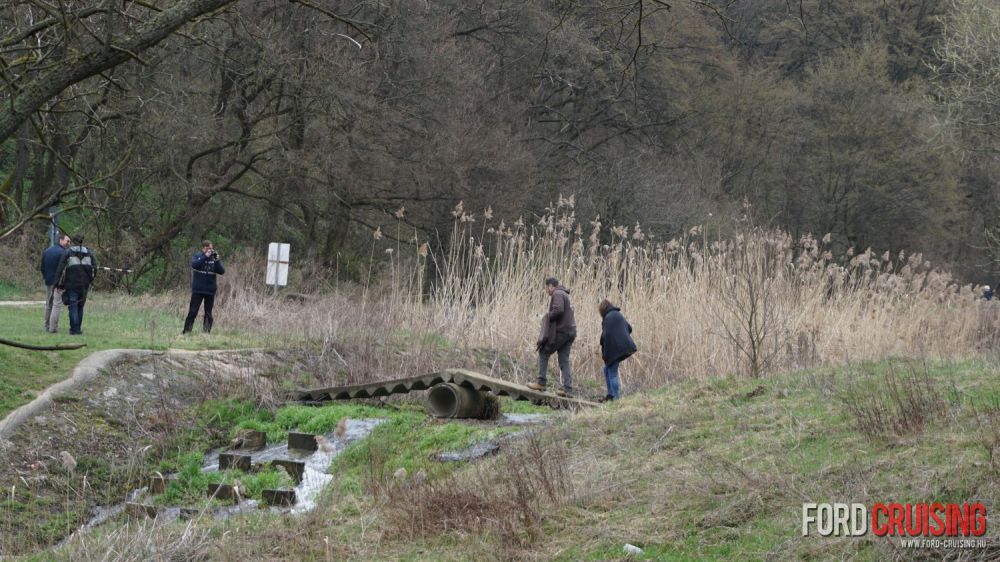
{"points": [[321, 122]]}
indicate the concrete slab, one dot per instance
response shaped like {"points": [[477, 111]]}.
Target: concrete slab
{"points": [[158, 484], [223, 492], [140, 511], [302, 441], [295, 469], [279, 498], [234, 461]]}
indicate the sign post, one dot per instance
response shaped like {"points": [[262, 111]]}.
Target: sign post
{"points": [[53, 225], [277, 264]]}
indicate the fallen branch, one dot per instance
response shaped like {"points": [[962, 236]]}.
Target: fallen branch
{"points": [[43, 347]]}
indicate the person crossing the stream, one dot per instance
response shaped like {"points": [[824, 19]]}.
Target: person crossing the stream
{"points": [[558, 332]]}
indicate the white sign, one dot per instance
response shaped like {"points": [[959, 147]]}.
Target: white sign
{"points": [[277, 264]]}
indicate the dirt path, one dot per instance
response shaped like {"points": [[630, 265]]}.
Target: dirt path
{"points": [[21, 303]]}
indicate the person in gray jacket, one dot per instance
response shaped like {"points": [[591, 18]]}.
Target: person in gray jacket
{"points": [[557, 336]]}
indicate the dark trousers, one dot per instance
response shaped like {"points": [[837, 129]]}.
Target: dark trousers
{"points": [[562, 346], [196, 300], [74, 300]]}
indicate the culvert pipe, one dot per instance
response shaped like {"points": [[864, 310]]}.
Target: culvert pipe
{"points": [[450, 400]]}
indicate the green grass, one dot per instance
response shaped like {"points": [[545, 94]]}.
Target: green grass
{"points": [[522, 407], [109, 322], [189, 487], [238, 414], [713, 469], [11, 292], [729, 477], [408, 438]]}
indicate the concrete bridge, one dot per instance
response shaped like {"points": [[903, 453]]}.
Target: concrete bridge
{"points": [[454, 393]]}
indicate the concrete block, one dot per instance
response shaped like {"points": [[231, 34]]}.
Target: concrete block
{"points": [[302, 441], [295, 469], [280, 498], [234, 461], [158, 484], [222, 492]]}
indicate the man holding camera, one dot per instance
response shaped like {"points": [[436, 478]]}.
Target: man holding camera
{"points": [[205, 265]]}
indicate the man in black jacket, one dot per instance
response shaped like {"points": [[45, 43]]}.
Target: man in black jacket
{"points": [[205, 265], [77, 269], [53, 294]]}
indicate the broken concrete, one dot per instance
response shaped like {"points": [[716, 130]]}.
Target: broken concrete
{"points": [[295, 469]]}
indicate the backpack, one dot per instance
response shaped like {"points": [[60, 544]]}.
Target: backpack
{"points": [[78, 256]]}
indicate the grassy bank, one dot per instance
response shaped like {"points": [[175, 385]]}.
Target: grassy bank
{"points": [[700, 470], [109, 322]]}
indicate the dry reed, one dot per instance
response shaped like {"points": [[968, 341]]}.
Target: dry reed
{"points": [[755, 303]]}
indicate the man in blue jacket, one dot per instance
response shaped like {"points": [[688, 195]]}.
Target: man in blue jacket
{"points": [[205, 265], [53, 294]]}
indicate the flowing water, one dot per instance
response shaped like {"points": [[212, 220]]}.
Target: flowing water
{"points": [[314, 478]]}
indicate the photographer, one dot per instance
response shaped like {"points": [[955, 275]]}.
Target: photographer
{"points": [[205, 265]]}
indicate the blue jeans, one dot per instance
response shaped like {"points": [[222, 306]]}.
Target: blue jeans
{"points": [[611, 379], [75, 299]]}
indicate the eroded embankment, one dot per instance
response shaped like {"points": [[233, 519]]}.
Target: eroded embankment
{"points": [[86, 443]]}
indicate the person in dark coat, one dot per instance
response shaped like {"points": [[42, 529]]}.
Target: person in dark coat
{"points": [[987, 293], [616, 345], [205, 265], [77, 269], [50, 273], [558, 332]]}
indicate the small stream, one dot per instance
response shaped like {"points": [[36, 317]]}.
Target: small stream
{"points": [[314, 478]]}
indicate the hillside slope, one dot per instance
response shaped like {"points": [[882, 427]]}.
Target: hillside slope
{"points": [[714, 469]]}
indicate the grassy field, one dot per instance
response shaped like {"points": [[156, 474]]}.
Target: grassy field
{"points": [[700, 470], [109, 322]]}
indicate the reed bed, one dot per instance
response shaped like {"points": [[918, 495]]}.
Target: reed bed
{"points": [[754, 303]]}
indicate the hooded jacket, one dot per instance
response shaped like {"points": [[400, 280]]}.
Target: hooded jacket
{"points": [[616, 337], [77, 268], [559, 318], [561, 311]]}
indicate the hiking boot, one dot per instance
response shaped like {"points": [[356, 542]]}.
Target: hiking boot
{"points": [[563, 392], [536, 386], [607, 398]]}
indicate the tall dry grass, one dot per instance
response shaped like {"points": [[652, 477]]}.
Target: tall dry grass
{"points": [[700, 306]]}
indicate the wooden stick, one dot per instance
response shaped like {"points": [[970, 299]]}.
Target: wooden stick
{"points": [[43, 347]]}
